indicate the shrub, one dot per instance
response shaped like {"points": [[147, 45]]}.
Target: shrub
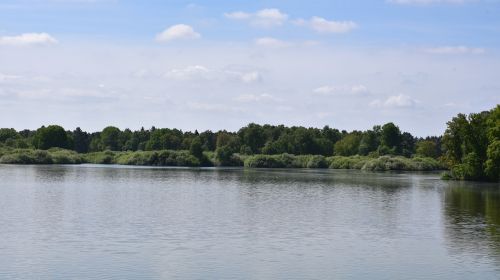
{"points": [[24, 156], [341, 162], [316, 162], [106, 157]]}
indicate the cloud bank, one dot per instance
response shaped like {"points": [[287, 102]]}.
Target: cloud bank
{"points": [[28, 39]]}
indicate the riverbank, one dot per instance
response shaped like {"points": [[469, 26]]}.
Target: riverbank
{"points": [[185, 158]]}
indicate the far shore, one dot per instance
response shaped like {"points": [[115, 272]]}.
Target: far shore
{"points": [[207, 159]]}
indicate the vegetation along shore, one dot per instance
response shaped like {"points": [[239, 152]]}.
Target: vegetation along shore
{"points": [[469, 148]]}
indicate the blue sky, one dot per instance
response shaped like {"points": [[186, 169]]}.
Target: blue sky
{"points": [[381, 22], [223, 64]]}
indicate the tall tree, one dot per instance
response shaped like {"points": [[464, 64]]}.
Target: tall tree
{"points": [[50, 137], [110, 139], [81, 140]]}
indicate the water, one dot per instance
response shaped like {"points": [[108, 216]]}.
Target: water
{"points": [[109, 222]]}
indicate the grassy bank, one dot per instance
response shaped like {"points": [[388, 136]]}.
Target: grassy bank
{"points": [[184, 158], [30, 156], [383, 163]]}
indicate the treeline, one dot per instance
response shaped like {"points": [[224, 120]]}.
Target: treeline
{"points": [[470, 147], [249, 140]]}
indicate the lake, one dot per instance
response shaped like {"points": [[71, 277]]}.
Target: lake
{"points": [[116, 222]]}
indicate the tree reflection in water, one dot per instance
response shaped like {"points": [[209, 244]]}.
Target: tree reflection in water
{"points": [[472, 218]]}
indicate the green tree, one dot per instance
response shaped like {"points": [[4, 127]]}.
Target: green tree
{"points": [[492, 169], [51, 136], [390, 137], [253, 136], [196, 148], [110, 138], [349, 145], [8, 133], [369, 142], [427, 148], [471, 145], [81, 141]]}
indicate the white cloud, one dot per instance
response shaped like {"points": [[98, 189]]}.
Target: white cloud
{"points": [[213, 76], [177, 32], [322, 25], [342, 90], [238, 15], [269, 42], [256, 98], [263, 18], [202, 73], [195, 72], [28, 39], [250, 77], [428, 2], [270, 17], [396, 101], [455, 50], [7, 77]]}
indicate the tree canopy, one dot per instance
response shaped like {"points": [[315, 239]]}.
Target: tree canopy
{"points": [[472, 145]]}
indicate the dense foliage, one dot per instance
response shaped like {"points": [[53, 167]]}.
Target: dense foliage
{"points": [[472, 146], [249, 140]]}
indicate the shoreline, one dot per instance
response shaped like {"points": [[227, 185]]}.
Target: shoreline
{"points": [[169, 158]]}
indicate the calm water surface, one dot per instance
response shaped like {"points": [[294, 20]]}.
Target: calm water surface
{"points": [[109, 222]]}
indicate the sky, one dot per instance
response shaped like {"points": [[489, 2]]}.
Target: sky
{"points": [[223, 64]]}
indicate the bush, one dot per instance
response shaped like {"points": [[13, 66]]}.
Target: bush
{"points": [[384, 163], [106, 157], [151, 158], [61, 156], [185, 158], [352, 162], [24, 156], [264, 161], [285, 161], [225, 156]]}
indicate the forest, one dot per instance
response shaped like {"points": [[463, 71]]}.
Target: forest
{"points": [[469, 148]]}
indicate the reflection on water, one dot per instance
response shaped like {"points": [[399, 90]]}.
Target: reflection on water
{"points": [[473, 217], [112, 222]]}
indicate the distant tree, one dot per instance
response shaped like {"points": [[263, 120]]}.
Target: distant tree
{"points": [[155, 141], [407, 144], [349, 145], [369, 142], [224, 154], [51, 136], [390, 138], [26, 133], [427, 148], [209, 139], [125, 137], [253, 136], [454, 139], [8, 133], [110, 138], [492, 168], [95, 142], [331, 134], [223, 138], [81, 140], [245, 150], [196, 148]]}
